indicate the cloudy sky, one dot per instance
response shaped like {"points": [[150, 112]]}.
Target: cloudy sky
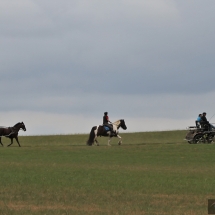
{"points": [[63, 63]]}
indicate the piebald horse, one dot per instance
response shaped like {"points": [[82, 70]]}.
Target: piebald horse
{"points": [[12, 132], [101, 131]]}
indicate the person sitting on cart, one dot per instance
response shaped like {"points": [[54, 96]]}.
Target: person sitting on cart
{"points": [[198, 121], [205, 123]]}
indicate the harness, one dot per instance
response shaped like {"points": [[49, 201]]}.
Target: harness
{"points": [[13, 131]]}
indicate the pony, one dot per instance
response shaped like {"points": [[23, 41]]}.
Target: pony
{"points": [[100, 130], [12, 132]]}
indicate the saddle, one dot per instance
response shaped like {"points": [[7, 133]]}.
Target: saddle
{"points": [[104, 129], [108, 128]]}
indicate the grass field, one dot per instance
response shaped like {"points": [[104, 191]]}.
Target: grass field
{"points": [[150, 173]]}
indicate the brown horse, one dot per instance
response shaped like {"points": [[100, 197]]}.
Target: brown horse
{"points": [[12, 132], [101, 131]]}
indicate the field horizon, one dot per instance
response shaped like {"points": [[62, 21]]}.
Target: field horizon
{"points": [[84, 133]]}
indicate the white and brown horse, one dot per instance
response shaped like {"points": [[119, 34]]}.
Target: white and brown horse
{"points": [[101, 131]]}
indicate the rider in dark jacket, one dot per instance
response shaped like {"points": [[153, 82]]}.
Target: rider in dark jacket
{"points": [[106, 122], [206, 123], [203, 118]]}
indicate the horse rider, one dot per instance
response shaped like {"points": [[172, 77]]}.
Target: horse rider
{"points": [[204, 121], [106, 122]]}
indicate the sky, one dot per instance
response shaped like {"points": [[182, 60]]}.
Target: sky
{"points": [[63, 63]]}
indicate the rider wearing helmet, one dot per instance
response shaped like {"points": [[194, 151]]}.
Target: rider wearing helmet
{"points": [[106, 122]]}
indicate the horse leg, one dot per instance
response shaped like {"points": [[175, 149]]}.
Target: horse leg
{"points": [[109, 141], [120, 140], [11, 142], [97, 142], [17, 141], [1, 142]]}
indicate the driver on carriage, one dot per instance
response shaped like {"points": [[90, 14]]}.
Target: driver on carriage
{"points": [[205, 123], [106, 122]]}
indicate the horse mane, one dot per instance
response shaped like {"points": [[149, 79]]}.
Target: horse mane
{"points": [[117, 122], [17, 124]]}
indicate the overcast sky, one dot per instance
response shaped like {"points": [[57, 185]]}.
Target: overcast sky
{"points": [[63, 63]]}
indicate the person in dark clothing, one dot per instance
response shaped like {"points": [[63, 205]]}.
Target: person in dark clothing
{"points": [[106, 122], [106, 118], [204, 119], [205, 123]]}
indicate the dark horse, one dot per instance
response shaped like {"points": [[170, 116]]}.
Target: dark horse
{"points": [[12, 132], [101, 131]]}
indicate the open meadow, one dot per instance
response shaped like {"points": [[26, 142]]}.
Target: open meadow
{"points": [[150, 173]]}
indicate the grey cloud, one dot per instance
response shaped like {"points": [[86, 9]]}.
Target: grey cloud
{"points": [[53, 53]]}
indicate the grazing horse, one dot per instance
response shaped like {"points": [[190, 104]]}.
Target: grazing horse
{"points": [[101, 131], [12, 132]]}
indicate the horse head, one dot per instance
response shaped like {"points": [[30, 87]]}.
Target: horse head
{"points": [[20, 125], [122, 124]]}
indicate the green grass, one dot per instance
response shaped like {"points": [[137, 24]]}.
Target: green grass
{"points": [[151, 173]]}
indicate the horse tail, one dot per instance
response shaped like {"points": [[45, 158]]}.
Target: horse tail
{"points": [[91, 136]]}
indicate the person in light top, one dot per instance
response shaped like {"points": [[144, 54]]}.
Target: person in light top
{"points": [[198, 120]]}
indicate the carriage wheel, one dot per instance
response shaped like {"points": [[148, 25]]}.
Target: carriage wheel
{"points": [[210, 138], [197, 138]]}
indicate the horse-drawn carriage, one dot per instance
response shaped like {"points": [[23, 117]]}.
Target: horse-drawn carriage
{"points": [[200, 134]]}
